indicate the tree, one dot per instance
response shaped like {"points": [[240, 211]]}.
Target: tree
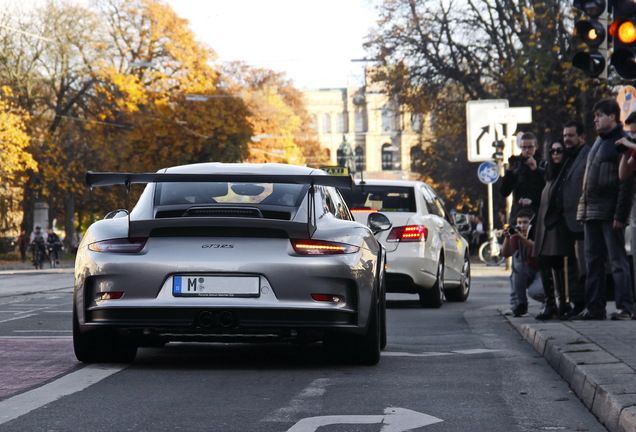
{"points": [[439, 54], [278, 116]]}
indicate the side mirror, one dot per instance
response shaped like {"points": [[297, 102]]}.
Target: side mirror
{"points": [[460, 219], [378, 222]]}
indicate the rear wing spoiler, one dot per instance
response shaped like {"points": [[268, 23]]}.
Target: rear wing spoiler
{"points": [[136, 228], [115, 178]]}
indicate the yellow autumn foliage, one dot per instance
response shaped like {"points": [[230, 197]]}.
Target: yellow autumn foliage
{"points": [[14, 140]]}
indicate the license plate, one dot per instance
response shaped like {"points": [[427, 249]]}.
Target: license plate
{"points": [[215, 286]]}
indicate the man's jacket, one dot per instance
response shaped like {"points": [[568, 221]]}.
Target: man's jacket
{"points": [[604, 196]]}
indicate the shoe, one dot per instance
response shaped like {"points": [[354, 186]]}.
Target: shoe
{"points": [[587, 316], [546, 314], [620, 316], [508, 312], [520, 310], [571, 313]]}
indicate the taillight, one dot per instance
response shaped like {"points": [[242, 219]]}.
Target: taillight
{"points": [[124, 245], [410, 233], [363, 210], [318, 247]]}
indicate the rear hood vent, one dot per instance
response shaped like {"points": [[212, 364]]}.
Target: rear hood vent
{"points": [[224, 212]]}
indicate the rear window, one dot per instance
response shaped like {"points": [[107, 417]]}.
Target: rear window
{"points": [[281, 194], [382, 198]]}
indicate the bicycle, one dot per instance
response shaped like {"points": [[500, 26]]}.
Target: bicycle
{"points": [[52, 253], [39, 254], [490, 250]]}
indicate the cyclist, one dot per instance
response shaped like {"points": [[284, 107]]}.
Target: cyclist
{"points": [[37, 240], [53, 244]]}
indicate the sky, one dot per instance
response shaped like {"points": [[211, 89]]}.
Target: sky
{"points": [[312, 41]]}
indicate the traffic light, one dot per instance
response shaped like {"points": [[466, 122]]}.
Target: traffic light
{"points": [[499, 146], [591, 31], [623, 32]]}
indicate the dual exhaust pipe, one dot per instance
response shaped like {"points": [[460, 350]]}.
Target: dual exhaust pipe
{"points": [[207, 319]]}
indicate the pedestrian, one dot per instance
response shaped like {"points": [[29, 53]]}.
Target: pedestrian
{"points": [[627, 146], [524, 177], [550, 245], [525, 277], [604, 209], [23, 244], [570, 184]]}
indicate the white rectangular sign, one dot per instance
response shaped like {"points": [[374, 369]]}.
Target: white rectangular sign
{"points": [[510, 115], [479, 137]]}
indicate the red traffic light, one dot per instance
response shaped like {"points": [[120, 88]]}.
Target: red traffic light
{"points": [[624, 31]]}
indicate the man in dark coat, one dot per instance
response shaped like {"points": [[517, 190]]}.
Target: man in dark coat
{"points": [[604, 208], [570, 185]]}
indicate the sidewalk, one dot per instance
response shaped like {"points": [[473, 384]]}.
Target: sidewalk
{"points": [[596, 358]]}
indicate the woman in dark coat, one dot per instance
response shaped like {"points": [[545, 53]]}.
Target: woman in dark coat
{"points": [[551, 246]]}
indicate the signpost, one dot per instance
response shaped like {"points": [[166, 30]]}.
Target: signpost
{"points": [[488, 121]]}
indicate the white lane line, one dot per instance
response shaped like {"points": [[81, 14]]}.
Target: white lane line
{"points": [[16, 406], [42, 331], [307, 401], [37, 337], [16, 318]]}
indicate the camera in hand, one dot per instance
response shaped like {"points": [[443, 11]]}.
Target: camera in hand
{"points": [[517, 159], [621, 148], [512, 229]]}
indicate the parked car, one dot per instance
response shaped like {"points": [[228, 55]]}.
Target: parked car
{"points": [[426, 254], [231, 253]]}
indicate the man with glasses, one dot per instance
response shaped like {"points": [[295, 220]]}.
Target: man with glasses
{"points": [[570, 182], [604, 209], [524, 177]]}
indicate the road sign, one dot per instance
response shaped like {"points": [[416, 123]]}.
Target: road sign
{"points": [[488, 173], [479, 135]]}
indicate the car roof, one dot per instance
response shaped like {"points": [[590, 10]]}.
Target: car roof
{"points": [[242, 168], [379, 182]]}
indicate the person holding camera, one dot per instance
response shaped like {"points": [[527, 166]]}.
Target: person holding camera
{"points": [[627, 146], [524, 177], [604, 210], [525, 277]]}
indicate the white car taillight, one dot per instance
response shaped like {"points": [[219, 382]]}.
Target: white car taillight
{"points": [[410, 233], [124, 245]]}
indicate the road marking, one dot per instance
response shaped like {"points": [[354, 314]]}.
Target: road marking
{"points": [[434, 354], [16, 406], [393, 420], [16, 318], [308, 397], [42, 331]]}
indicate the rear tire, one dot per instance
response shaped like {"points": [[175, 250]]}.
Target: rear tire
{"points": [[486, 254], [100, 346], [434, 297], [357, 349], [460, 294]]}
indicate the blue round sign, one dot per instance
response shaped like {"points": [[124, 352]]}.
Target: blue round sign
{"points": [[488, 172]]}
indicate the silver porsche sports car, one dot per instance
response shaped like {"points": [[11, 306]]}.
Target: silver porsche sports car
{"points": [[232, 253]]}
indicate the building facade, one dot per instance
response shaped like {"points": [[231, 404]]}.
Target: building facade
{"points": [[367, 130]]}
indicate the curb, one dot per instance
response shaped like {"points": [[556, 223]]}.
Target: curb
{"points": [[605, 385]]}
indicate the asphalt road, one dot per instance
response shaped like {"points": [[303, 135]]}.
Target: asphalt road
{"points": [[458, 368]]}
